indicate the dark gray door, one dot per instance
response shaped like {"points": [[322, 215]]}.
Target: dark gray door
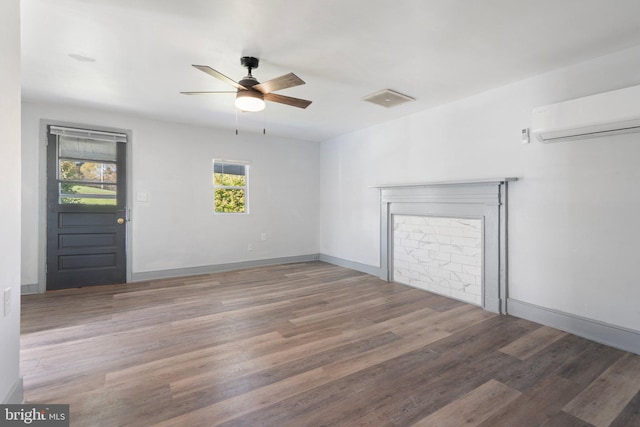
{"points": [[86, 211]]}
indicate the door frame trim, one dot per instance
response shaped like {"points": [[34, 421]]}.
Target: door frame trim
{"points": [[42, 196]]}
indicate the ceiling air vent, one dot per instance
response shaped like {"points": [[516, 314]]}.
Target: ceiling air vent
{"points": [[387, 98]]}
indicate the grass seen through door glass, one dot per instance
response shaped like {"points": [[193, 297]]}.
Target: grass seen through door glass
{"points": [[81, 195]]}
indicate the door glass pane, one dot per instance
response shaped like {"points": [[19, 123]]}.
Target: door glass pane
{"points": [[82, 194], [87, 172]]}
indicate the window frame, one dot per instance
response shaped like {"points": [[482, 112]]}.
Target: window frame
{"points": [[58, 196], [245, 188]]}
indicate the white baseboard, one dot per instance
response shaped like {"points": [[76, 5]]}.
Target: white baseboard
{"points": [[216, 268], [16, 394], [363, 268], [603, 333], [31, 288]]}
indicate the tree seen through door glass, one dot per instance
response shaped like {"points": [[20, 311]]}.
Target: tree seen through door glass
{"points": [[230, 187]]}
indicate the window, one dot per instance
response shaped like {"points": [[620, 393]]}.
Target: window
{"points": [[87, 172], [230, 186]]}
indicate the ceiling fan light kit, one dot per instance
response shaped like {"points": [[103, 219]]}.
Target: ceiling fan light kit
{"points": [[251, 94], [249, 100]]}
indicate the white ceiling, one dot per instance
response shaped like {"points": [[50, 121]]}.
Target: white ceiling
{"points": [[434, 50]]}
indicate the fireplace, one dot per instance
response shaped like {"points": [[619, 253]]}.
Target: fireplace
{"points": [[448, 238]]}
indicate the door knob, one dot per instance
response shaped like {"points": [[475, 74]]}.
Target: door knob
{"points": [[120, 220]]}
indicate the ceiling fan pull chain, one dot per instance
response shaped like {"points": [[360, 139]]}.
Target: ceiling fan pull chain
{"points": [[264, 122], [236, 121]]}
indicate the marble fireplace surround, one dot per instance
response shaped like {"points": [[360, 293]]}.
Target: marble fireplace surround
{"points": [[482, 199]]}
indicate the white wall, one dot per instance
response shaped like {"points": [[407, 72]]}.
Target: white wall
{"points": [[10, 388], [172, 163], [573, 216]]}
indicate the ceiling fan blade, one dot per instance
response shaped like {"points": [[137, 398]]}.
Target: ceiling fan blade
{"points": [[282, 82], [218, 75], [208, 92], [294, 102]]}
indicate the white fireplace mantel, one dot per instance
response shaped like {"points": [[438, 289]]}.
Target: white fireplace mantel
{"points": [[483, 199], [453, 182]]}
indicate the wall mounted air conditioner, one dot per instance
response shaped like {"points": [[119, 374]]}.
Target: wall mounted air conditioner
{"points": [[607, 113]]}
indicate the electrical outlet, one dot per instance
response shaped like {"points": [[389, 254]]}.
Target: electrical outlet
{"points": [[263, 236], [7, 302], [249, 247]]}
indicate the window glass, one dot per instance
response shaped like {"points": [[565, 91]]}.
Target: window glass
{"points": [[87, 172], [230, 184]]}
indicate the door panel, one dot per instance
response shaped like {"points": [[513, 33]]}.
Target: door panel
{"points": [[68, 241], [86, 231], [81, 219]]}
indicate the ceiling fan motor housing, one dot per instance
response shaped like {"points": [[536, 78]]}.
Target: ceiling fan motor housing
{"points": [[249, 62]]}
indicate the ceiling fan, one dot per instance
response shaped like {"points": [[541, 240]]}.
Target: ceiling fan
{"points": [[251, 94]]}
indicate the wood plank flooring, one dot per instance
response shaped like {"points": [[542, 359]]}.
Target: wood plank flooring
{"points": [[310, 344]]}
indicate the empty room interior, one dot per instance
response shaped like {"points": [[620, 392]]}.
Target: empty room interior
{"points": [[330, 213]]}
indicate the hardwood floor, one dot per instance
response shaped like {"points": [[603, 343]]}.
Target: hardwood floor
{"points": [[310, 344]]}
